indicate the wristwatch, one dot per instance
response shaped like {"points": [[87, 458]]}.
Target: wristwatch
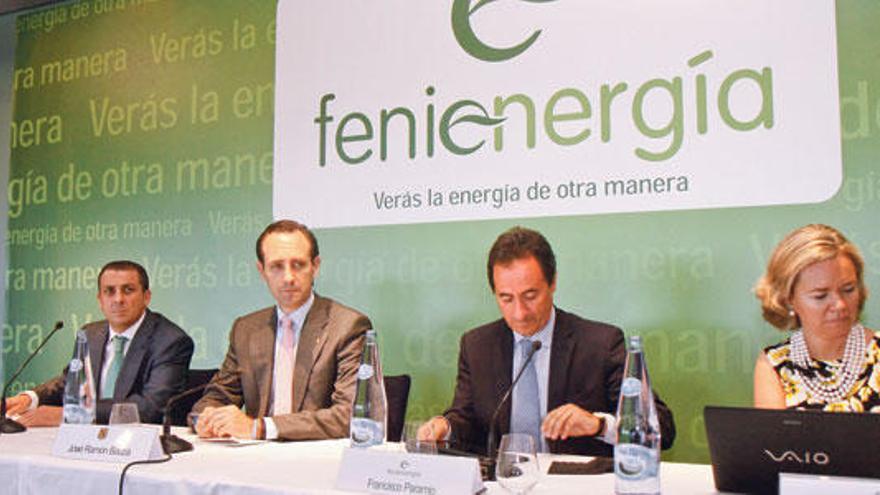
{"points": [[600, 432], [258, 430]]}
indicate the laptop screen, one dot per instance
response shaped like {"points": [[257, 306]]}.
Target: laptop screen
{"points": [[750, 447]]}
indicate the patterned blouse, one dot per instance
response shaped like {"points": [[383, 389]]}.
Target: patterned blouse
{"points": [[864, 396]]}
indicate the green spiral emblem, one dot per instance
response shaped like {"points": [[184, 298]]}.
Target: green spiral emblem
{"points": [[473, 45]]}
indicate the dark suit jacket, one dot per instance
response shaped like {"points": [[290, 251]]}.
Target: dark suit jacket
{"points": [[154, 368], [586, 367], [327, 357]]}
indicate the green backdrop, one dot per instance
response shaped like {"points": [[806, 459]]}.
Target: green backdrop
{"points": [[145, 132]]}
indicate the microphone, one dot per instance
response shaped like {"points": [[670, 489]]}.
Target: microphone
{"points": [[173, 444], [8, 425], [490, 442]]}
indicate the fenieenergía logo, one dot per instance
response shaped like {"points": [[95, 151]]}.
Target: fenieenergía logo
{"points": [[462, 11]]}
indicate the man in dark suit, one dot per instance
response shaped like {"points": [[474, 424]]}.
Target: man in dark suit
{"points": [[568, 394], [293, 365], [136, 355]]}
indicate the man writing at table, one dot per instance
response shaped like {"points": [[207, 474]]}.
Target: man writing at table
{"points": [[567, 395], [293, 365], [137, 355]]}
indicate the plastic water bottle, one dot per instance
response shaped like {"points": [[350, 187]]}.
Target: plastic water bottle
{"points": [[369, 413], [79, 388], [637, 451]]}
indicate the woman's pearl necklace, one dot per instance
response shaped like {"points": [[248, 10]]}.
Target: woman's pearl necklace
{"points": [[843, 377]]}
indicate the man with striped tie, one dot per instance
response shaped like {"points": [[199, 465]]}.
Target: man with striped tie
{"points": [[136, 355]]}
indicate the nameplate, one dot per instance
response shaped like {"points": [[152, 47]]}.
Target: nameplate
{"points": [[120, 443], [814, 484], [377, 471]]}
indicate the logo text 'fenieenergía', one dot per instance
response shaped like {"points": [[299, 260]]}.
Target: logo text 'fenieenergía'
{"points": [[357, 137]]}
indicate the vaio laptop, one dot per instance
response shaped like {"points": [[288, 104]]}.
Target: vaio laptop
{"points": [[750, 447]]}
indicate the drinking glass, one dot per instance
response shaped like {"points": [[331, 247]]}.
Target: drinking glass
{"points": [[124, 413], [192, 420], [517, 467], [413, 443]]}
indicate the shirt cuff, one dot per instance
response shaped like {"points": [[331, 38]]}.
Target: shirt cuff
{"points": [[610, 436], [271, 429], [35, 401]]}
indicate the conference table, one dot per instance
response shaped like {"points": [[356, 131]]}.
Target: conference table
{"points": [[28, 467]]}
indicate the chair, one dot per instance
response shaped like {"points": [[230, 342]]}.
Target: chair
{"points": [[397, 394], [194, 379]]}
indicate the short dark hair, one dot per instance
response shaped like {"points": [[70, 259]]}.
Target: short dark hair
{"points": [[518, 243], [126, 265], [287, 226]]}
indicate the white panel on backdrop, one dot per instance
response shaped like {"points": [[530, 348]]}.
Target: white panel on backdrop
{"points": [[401, 111]]}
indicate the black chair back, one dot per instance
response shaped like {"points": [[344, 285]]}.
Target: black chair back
{"points": [[194, 379], [397, 394]]}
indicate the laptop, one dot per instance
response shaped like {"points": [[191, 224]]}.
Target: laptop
{"points": [[750, 447]]}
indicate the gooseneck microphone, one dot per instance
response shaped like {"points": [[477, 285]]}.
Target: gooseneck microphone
{"points": [[173, 444], [490, 442], [8, 425]]}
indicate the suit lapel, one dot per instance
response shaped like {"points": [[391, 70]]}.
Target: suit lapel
{"points": [[262, 350], [135, 355], [311, 340], [97, 340], [560, 359], [503, 360]]}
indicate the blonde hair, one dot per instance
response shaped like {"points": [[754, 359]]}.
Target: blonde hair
{"points": [[799, 249]]}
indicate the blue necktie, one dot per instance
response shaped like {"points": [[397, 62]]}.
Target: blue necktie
{"points": [[113, 373], [526, 408]]}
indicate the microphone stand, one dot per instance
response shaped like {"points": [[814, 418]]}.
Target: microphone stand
{"points": [[172, 444], [8, 425], [487, 464]]}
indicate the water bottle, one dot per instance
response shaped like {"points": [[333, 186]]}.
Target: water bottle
{"points": [[79, 388], [637, 451], [368, 415]]}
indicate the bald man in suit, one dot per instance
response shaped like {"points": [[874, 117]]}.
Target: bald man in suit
{"points": [[293, 365]]}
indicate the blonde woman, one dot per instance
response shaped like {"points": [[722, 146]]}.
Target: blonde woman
{"points": [[814, 287]]}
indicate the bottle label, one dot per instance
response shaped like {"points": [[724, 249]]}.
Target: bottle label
{"points": [[631, 387], [365, 372], [366, 432], [635, 462], [75, 365]]}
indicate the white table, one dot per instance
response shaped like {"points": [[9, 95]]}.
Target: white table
{"points": [[27, 467]]}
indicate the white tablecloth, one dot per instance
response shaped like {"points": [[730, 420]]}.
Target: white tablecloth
{"points": [[27, 467]]}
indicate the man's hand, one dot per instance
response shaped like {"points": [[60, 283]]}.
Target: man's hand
{"points": [[568, 421], [434, 430], [226, 421], [42, 416], [18, 404]]}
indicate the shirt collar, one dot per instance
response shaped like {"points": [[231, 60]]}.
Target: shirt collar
{"points": [[299, 314], [130, 331], [543, 335]]}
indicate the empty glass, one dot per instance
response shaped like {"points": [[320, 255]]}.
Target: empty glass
{"points": [[124, 413], [517, 467], [192, 420], [413, 443]]}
